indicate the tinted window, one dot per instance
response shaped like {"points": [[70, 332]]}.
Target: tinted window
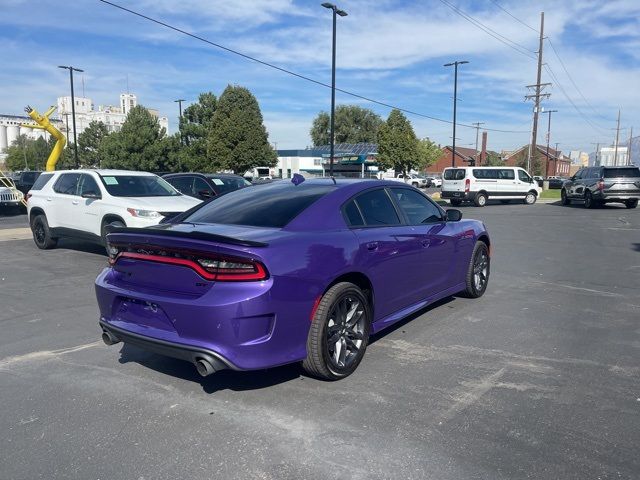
{"points": [[272, 205], [29, 177], [89, 185], [42, 181], [228, 184], [485, 173], [67, 184], [354, 218], [622, 172], [199, 184], [182, 184], [138, 186], [506, 174], [416, 207], [579, 173], [454, 174], [377, 209], [524, 176]]}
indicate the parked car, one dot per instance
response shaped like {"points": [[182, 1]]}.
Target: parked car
{"points": [[596, 186], [539, 180], [479, 184], [555, 183], [10, 196], [206, 185], [287, 273], [26, 179], [81, 203], [435, 181], [412, 179]]}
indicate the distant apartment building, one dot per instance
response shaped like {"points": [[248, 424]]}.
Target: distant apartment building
{"points": [[113, 116], [10, 129], [607, 156]]}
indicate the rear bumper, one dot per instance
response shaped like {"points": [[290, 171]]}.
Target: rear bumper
{"points": [[618, 196], [189, 353], [457, 195]]}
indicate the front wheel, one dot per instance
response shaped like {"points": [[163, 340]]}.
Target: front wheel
{"points": [[530, 198], [631, 203], [339, 333], [589, 202], [478, 271], [564, 200], [480, 200]]}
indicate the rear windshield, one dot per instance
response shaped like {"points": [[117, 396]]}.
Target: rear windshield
{"points": [[271, 205], [454, 174], [138, 186], [228, 184], [622, 172], [42, 181], [29, 177]]}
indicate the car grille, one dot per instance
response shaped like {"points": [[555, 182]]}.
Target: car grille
{"points": [[10, 197]]}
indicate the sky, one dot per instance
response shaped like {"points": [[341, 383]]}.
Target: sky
{"points": [[389, 51]]}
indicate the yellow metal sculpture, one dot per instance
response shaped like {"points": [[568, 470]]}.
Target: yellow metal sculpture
{"points": [[43, 123]]}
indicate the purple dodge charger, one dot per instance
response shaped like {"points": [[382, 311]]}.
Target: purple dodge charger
{"points": [[287, 272]]}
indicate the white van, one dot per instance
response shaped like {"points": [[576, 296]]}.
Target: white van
{"points": [[479, 184]]}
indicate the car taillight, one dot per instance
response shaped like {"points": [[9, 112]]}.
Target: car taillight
{"points": [[27, 197], [467, 185], [601, 184], [221, 268]]}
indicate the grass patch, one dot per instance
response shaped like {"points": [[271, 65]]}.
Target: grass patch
{"points": [[551, 194]]}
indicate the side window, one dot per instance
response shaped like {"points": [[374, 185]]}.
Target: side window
{"points": [[416, 207], [506, 174], [182, 184], [579, 174], [67, 184], [524, 176], [352, 215], [42, 181], [89, 185], [377, 209], [199, 185]]}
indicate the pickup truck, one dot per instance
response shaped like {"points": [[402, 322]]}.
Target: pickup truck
{"points": [[10, 196], [411, 179]]}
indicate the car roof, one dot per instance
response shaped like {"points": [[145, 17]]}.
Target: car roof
{"points": [[104, 171]]}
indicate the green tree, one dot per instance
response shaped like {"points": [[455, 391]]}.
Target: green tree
{"points": [[89, 142], [353, 124], [141, 144], [27, 154], [194, 130], [428, 152], [397, 144], [238, 139], [494, 160]]}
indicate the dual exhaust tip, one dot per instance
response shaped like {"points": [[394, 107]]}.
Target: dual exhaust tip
{"points": [[203, 366]]}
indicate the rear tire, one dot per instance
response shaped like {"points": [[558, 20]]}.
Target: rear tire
{"points": [[564, 200], [631, 203], [41, 233], [455, 202], [478, 272], [589, 202], [480, 200], [337, 341]]}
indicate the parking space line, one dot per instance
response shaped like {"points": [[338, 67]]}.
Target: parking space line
{"points": [[44, 354], [15, 234]]}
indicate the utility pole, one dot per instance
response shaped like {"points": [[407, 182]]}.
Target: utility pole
{"points": [[629, 148], [537, 96], [548, 138], [615, 151], [73, 110], [477, 125], [455, 101]]}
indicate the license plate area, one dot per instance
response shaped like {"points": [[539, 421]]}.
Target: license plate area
{"points": [[141, 312]]}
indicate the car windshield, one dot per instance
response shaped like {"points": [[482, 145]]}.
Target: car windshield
{"points": [[454, 174], [622, 172], [228, 184], [271, 205], [138, 186]]}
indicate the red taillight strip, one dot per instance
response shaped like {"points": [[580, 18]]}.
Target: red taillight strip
{"points": [[259, 274]]}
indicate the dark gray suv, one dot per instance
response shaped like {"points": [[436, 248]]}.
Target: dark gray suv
{"points": [[599, 185]]}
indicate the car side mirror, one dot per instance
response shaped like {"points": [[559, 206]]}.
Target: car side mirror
{"points": [[92, 195], [454, 215]]}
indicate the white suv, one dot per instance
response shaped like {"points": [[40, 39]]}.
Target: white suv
{"points": [[412, 179], [81, 203], [479, 184]]}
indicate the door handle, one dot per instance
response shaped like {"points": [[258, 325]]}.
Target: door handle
{"points": [[75, 202], [372, 246], [426, 243], [48, 199]]}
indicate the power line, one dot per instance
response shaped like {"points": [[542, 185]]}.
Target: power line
{"points": [[513, 16], [571, 78], [501, 38], [290, 72]]}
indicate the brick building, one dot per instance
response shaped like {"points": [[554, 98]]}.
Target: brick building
{"points": [[553, 164]]}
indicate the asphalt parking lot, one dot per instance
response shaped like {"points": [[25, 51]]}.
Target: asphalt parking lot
{"points": [[540, 378]]}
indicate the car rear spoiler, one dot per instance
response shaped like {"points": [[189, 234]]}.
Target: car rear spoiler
{"points": [[196, 235]]}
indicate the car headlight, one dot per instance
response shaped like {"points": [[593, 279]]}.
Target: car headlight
{"points": [[143, 213]]}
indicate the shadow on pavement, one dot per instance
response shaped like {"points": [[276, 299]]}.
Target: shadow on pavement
{"points": [[80, 246], [635, 246]]}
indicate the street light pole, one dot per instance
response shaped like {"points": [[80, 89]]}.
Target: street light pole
{"points": [[549, 138], [73, 111], [455, 98], [336, 11]]}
